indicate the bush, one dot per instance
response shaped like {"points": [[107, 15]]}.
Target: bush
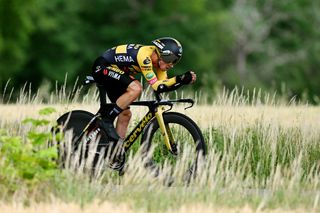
{"points": [[27, 161]]}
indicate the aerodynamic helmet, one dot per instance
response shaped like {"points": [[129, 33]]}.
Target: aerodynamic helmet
{"points": [[168, 49]]}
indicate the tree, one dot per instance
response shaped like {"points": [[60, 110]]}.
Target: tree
{"points": [[15, 29]]}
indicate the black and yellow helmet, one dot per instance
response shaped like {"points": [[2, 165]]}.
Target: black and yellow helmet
{"points": [[168, 49]]}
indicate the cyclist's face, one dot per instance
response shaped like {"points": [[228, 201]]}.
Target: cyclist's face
{"points": [[165, 66]]}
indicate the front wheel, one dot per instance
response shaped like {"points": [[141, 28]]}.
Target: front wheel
{"points": [[186, 141]]}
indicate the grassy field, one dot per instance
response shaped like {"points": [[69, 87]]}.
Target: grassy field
{"points": [[263, 156]]}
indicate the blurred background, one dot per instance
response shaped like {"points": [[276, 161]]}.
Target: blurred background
{"points": [[269, 44]]}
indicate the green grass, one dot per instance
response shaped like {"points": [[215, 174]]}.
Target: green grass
{"points": [[265, 164]]}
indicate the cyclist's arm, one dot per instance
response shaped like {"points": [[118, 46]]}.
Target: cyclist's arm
{"points": [[164, 84], [175, 82], [160, 82], [144, 61]]}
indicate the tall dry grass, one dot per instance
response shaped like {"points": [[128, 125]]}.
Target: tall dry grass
{"points": [[98, 207], [261, 150]]}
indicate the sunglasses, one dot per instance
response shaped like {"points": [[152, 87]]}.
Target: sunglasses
{"points": [[168, 57]]}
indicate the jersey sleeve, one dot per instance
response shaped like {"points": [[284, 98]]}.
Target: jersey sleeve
{"points": [[145, 63]]}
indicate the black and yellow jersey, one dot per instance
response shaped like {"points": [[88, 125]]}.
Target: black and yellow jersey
{"points": [[136, 58]]}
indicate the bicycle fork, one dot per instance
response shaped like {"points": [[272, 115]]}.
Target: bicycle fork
{"points": [[165, 130]]}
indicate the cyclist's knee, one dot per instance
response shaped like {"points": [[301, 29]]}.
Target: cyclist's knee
{"points": [[135, 87]]}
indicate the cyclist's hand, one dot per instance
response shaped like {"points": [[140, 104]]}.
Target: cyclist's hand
{"points": [[187, 78], [194, 77]]}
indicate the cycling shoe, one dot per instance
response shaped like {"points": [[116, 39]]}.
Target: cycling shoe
{"points": [[110, 130]]}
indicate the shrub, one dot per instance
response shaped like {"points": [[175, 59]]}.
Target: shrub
{"points": [[27, 161]]}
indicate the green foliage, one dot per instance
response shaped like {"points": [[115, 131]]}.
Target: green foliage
{"points": [[255, 44], [16, 28], [27, 161]]}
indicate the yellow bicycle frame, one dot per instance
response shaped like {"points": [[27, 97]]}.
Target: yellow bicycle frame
{"points": [[165, 130]]}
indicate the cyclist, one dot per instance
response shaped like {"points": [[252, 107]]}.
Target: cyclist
{"points": [[114, 73]]}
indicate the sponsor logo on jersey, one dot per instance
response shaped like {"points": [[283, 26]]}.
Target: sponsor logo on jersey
{"points": [[114, 75], [153, 80], [105, 72], [115, 69], [149, 75], [146, 61], [146, 67], [123, 58]]}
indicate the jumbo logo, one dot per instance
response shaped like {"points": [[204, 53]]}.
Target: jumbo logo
{"points": [[114, 69]]}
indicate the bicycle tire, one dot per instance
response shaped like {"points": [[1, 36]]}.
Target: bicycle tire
{"points": [[77, 121], [174, 120]]}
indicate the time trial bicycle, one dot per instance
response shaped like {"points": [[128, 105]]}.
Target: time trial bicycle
{"points": [[171, 133]]}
